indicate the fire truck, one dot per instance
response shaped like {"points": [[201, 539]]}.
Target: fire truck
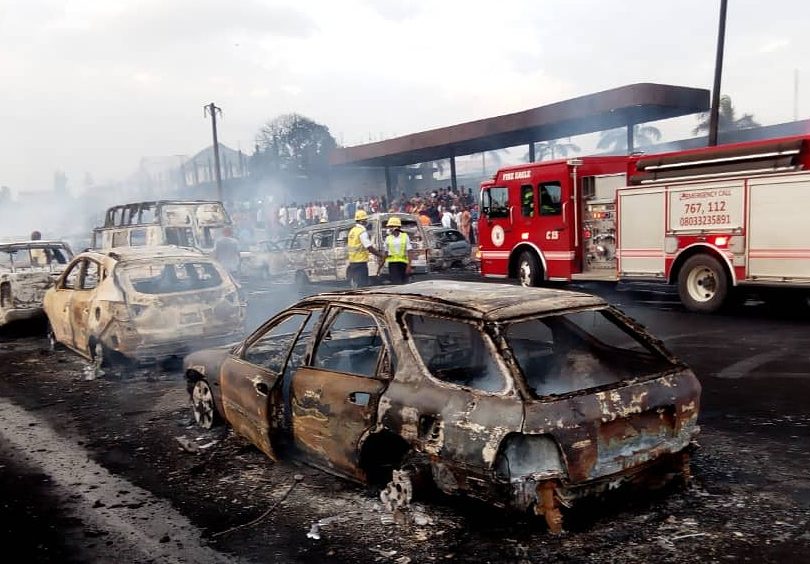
{"points": [[708, 220]]}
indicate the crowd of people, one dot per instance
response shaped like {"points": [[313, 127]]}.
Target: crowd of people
{"points": [[449, 208]]}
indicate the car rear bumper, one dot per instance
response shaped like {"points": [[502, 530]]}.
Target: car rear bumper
{"points": [[20, 314], [155, 349]]}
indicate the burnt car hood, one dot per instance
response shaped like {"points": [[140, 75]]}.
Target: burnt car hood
{"points": [[604, 432], [208, 361]]}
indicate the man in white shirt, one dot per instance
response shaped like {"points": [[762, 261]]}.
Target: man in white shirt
{"points": [[447, 219]]}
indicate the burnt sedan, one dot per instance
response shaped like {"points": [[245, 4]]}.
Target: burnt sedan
{"points": [[524, 397]]}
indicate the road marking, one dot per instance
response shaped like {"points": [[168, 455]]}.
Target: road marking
{"points": [[742, 368], [141, 525]]}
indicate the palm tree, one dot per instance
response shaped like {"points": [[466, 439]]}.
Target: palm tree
{"points": [[727, 119], [616, 139], [553, 149]]}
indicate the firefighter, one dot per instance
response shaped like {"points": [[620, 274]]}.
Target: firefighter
{"points": [[528, 202], [359, 247], [398, 245]]}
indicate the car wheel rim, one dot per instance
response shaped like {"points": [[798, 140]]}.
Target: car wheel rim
{"points": [[701, 284], [202, 402], [525, 274]]}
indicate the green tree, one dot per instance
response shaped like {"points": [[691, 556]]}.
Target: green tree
{"points": [[727, 119], [553, 148], [294, 144], [616, 139]]}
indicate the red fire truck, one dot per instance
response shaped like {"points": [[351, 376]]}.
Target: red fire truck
{"points": [[707, 219]]}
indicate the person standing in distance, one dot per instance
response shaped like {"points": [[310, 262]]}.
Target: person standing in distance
{"points": [[398, 245], [359, 247], [226, 252]]}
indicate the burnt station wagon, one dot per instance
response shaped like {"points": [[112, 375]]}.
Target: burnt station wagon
{"points": [[524, 397]]}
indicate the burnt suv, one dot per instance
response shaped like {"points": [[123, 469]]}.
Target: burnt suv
{"points": [[143, 304], [524, 397]]}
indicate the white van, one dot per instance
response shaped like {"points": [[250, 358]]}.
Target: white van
{"points": [[319, 253]]}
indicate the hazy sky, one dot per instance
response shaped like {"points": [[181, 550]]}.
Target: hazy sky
{"points": [[91, 86]]}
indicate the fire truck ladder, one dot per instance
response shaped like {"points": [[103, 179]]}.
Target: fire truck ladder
{"points": [[769, 157]]}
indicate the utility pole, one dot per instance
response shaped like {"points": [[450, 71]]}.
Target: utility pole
{"points": [[718, 73], [212, 110]]}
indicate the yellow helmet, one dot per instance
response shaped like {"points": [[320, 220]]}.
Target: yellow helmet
{"points": [[360, 215], [394, 222]]}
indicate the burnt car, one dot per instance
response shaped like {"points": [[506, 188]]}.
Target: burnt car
{"points": [[526, 398], [27, 270], [448, 249], [143, 304], [265, 260]]}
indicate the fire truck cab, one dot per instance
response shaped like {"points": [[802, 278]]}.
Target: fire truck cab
{"points": [[707, 219], [534, 227]]}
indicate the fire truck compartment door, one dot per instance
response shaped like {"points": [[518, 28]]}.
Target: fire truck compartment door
{"points": [[778, 238], [642, 218]]}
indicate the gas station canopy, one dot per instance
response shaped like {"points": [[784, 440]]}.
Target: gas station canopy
{"points": [[619, 107]]}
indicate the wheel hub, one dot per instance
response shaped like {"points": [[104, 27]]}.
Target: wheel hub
{"points": [[202, 405], [525, 274], [702, 284]]}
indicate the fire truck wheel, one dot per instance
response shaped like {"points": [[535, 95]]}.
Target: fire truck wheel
{"points": [[702, 284], [528, 271]]}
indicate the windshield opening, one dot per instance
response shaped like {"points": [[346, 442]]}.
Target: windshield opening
{"points": [[578, 351], [167, 278]]}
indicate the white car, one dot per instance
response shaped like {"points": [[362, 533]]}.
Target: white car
{"points": [[143, 304], [27, 270]]}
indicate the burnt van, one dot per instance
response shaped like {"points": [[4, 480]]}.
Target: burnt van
{"points": [[319, 253], [195, 224]]}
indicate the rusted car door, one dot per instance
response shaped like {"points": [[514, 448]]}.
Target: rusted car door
{"points": [[82, 298], [59, 303], [322, 255], [252, 398], [334, 398]]}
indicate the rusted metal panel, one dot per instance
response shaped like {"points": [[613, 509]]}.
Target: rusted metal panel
{"points": [[247, 395], [662, 412], [331, 411]]}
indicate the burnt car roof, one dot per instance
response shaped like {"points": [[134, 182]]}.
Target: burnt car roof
{"points": [[27, 244], [126, 254], [495, 302]]}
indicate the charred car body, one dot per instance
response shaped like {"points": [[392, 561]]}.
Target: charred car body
{"points": [[265, 259], [27, 270], [527, 400], [319, 253], [143, 304], [184, 223], [448, 249]]}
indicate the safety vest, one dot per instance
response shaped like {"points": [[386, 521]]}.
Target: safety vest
{"points": [[396, 254], [357, 252]]}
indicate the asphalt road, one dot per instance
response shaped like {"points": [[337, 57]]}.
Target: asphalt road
{"points": [[111, 468]]}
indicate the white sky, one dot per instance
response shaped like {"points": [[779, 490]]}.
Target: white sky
{"points": [[91, 86]]}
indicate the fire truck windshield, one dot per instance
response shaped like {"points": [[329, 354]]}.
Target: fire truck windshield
{"points": [[495, 201]]}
